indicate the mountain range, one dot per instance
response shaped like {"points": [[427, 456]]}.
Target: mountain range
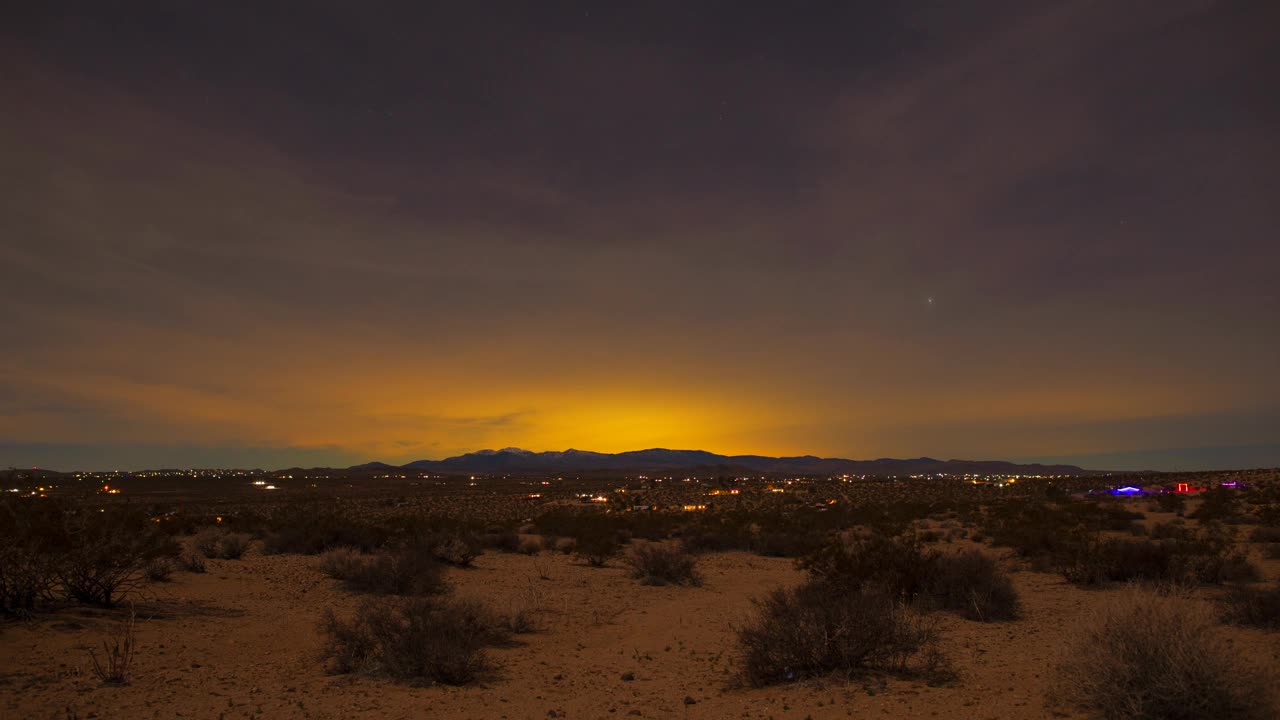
{"points": [[516, 460]]}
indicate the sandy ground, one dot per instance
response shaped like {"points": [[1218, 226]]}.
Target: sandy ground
{"points": [[241, 642]]}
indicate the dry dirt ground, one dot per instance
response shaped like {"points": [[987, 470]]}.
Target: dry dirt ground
{"points": [[241, 642]]}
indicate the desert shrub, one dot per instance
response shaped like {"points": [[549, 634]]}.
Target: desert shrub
{"points": [[1196, 560], [219, 543], [815, 630], [898, 566], [1271, 551], [233, 546], [453, 548], [971, 584], [501, 540], [698, 539], [421, 640], [660, 564], [410, 571], [192, 563], [530, 546], [312, 529], [596, 543], [159, 570], [109, 553], [787, 543], [32, 540], [1218, 504], [1158, 656], [520, 621], [1258, 607], [206, 542]]}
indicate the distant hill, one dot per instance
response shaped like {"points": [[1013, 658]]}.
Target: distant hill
{"points": [[374, 466], [515, 460]]}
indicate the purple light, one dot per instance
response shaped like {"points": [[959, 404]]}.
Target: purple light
{"points": [[1127, 490], [1233, 483]]}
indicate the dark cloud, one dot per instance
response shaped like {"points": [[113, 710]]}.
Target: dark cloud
{"points": [[459, 221]]}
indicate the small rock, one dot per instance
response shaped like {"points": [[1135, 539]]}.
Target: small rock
{"points": [[628, 676], [688, 700]]}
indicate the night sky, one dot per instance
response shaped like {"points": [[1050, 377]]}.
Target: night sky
{"points": [[269, 234]]}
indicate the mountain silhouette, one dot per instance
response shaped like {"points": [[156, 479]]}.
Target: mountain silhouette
{"points": [[515, 460]]}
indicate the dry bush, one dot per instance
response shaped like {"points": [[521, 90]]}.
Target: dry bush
{"points": [[51, 550], [206, 542], [1257, 607], [118, 651], [420, 640], [973, 585], [457, 548], [33, 538], [310, 528], [218, 543], [233, 546], [969, 582], [159, 570], [815, 629], [410, 571], [108, 555], [192, 563], [658, 564], [597, 546], [530, 546], [502, 540], [1148, 655], [1193, 559]]}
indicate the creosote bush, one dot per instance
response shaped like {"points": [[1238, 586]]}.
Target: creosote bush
{"points": [[159, 570], [968, 582], [457, 549], [1179, 561], [1069, 539], [596, 542], [192, 563], [108, 555], [814, 630], [51, 551], [418, 640], [972, 584], [1159, 657], [409, 571], [219, 543], [659, 564]]}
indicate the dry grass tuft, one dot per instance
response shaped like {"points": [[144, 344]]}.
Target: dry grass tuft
{"points": [[118, 651]]}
